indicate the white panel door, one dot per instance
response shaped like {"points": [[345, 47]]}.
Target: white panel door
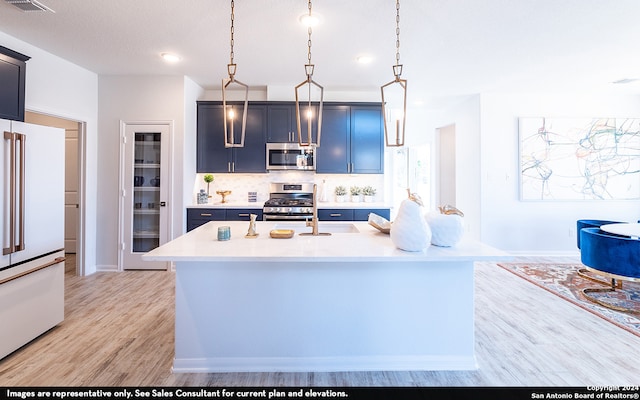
{"points": [[71, 198], [44, 190], [145, 192]]}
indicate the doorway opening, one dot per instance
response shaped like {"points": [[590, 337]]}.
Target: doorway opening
{"points": [[446, 175], [75, 132]]}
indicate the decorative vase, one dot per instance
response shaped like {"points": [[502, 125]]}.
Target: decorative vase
{"points": [[203, 197], [410, 231], [355, 198], [369, 198], [323, 192], [446, 230], [341, 198]]}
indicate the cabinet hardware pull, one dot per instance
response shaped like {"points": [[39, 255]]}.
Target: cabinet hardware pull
{"points": [[336, 215], [243, 215], [205, 214]]}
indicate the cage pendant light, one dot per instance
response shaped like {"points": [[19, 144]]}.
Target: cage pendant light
{"points": [[394, 98], [233, 113], [309, 100]]}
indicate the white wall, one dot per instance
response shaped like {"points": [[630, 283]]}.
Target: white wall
{"points": [[538, 226], [57, 87], [465, 117], [140, 98], [187, 168]]}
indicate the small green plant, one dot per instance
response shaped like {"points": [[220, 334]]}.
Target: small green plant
{"points": [[368, 191], [356, 190], [341, 190], [208, 178]]}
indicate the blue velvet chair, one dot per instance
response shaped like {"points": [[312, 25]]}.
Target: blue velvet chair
{"points": [[613, 256], [590, 223]]}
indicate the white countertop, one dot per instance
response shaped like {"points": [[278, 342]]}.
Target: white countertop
{"points": [[331, 204], [369, 244], [231, 204]]}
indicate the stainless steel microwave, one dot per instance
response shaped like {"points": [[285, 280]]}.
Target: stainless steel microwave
{"points": [[290, 156]]}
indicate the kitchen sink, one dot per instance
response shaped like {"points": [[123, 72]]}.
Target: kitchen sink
{"points": [[328, 228]]}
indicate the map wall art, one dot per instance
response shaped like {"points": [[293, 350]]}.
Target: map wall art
{"points": [[579, 158]]}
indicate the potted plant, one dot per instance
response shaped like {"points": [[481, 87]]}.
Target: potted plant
{"points": [[341, 193], [356, 191], [208, 178], [369, 193]]}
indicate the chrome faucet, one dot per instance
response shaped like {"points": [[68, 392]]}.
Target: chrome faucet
{"points": [[313, 223]]}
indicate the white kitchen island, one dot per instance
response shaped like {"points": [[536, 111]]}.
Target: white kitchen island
{"points": [[345, 302]]}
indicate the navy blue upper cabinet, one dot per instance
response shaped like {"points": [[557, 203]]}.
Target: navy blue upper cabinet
{"points": [[367, 140], [12, 84], [253, 156], [282, 123], [352, 140], [333, 154], [213, 156]]}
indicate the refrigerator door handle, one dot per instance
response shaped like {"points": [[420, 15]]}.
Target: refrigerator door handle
{"points": [[57, 260], [23, 143], [12, 193]]}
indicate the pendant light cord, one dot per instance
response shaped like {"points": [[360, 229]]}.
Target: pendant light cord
{"points": [[309, 40], [398, 32], [231, 54]]}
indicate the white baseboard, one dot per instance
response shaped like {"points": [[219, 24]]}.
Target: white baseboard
{"points": [[325, 364], [544, 253], [106, 268]]}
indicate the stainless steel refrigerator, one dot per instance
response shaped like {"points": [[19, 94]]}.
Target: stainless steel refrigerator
{"points": [[32, 207]]}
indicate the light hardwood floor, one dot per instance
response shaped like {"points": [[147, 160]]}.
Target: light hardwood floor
{"points": [[118, 331]]}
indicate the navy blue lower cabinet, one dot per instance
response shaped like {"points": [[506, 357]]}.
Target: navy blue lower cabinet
{"points": [[200, 216], [351, 214], [332, 214], [243, 214], [362, 214]]}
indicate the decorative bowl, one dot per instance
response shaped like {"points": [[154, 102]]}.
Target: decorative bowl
{"points": [[224, 194], [281, 233]]}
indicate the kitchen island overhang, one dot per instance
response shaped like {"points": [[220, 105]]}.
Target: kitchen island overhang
{"points": [[345, 302]]}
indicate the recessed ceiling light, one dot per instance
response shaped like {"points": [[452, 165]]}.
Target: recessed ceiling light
{"points": [[309, 20], [170, 57], [364, 59]]}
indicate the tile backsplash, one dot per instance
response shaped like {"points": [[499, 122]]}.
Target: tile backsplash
{"points": [[241, 184]]}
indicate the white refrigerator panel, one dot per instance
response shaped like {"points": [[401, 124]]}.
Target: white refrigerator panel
{"points": [[5, 126], [44, 190]]}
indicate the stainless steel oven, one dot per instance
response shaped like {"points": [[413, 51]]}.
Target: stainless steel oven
{"points": [[290, 156], [289, 202]]}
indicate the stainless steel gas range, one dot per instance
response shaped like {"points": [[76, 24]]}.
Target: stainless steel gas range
{"points": [[289, 201]]}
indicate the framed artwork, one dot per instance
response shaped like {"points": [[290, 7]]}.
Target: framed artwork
{"points": [[579, 158]]}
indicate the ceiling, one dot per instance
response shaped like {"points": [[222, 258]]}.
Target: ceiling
{"points": [[449, 48]]}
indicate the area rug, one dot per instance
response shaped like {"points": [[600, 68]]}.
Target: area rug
{"points": [[564, 281]]}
